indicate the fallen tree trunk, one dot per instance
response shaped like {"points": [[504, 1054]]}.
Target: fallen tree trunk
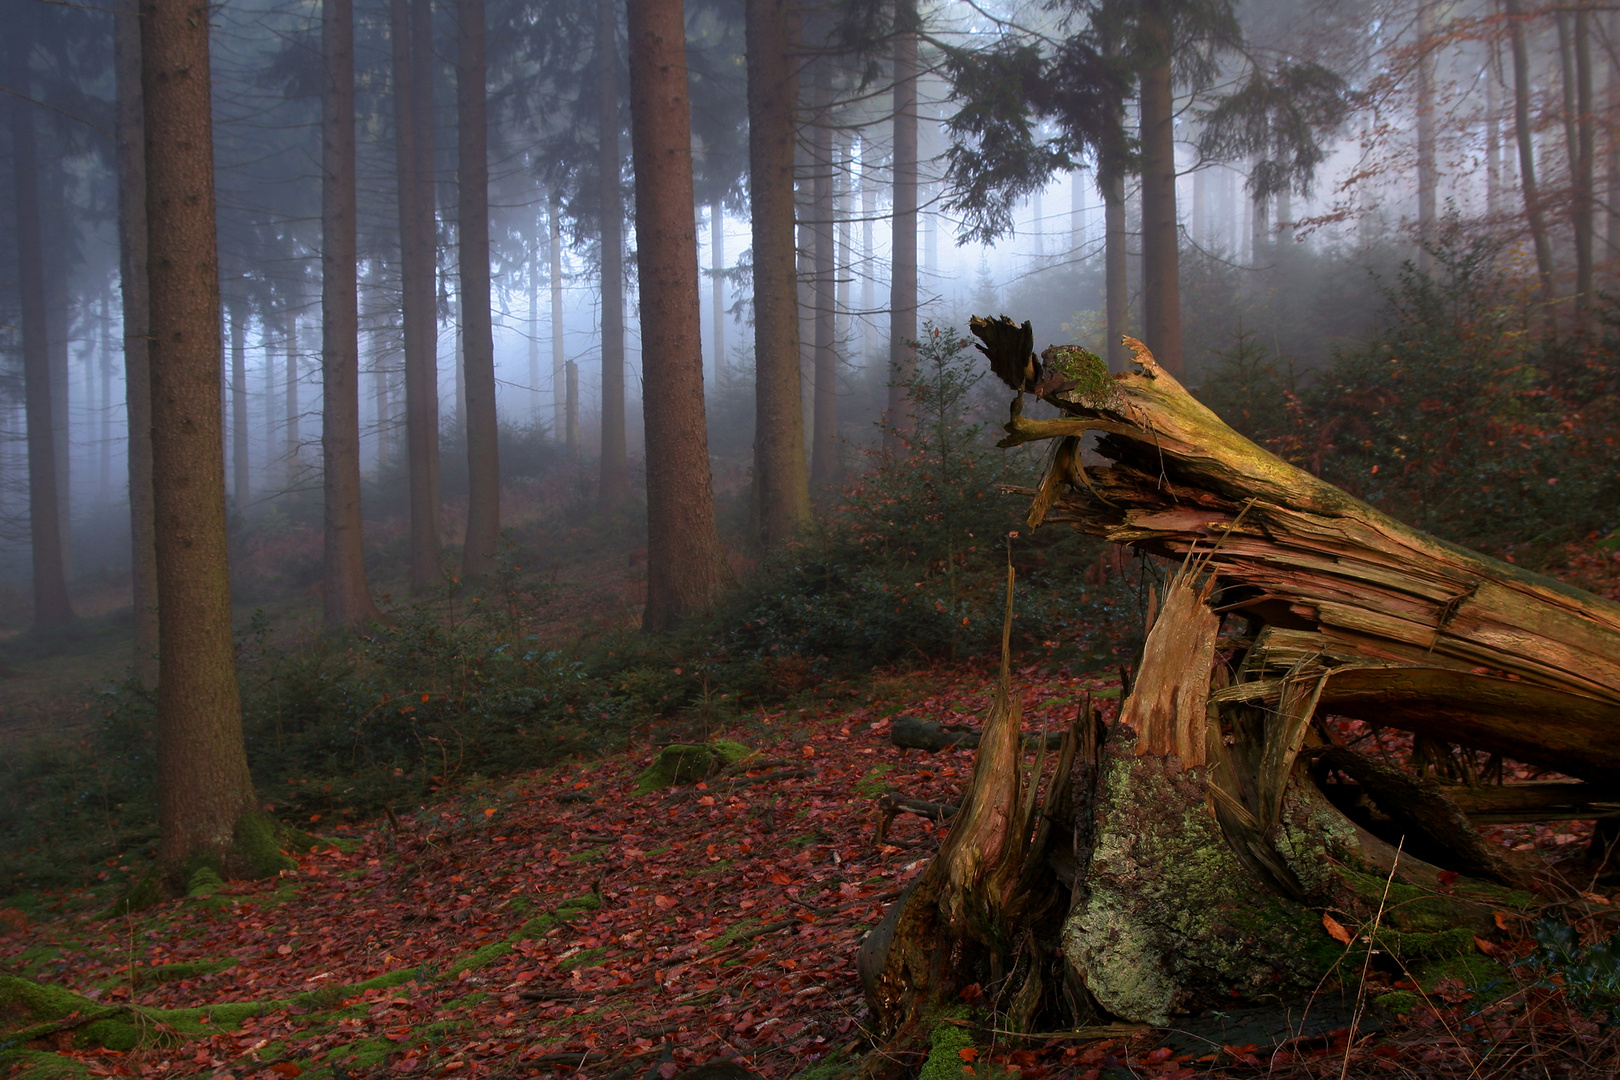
{"points": [[1200, 859]]}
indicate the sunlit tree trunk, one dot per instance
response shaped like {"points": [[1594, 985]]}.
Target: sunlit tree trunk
{"points": [[903, 257], [781, 482], [613, 485], [868, 246], [1117, 286], [1524, 134], [52, 608], [1161, 273], [346, 596], [204, 791], [534, 335], [478, 344], [686, 567]]}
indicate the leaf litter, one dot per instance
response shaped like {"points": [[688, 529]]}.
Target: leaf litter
{"points": [[558, 924]]}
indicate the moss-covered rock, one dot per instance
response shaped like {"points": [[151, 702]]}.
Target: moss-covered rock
{"points": [[1171, 919], [687, 763]]}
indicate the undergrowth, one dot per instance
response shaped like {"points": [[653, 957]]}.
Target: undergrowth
{"points": [[906, 564]]}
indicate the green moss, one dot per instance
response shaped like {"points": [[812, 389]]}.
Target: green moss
{"points": [[256, 847], [388, 980], [731, 933], [1471, 969], [478, 958], [42, 1065], [534, 928], [1093, 385], [146, 892], [945, 1043], [687, 763], [1399, 1002], [204, 882], [873, 784], [586, 958], [594, 854]]}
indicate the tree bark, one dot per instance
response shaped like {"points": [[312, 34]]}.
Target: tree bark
{"points": [[52, 607], [1524, 134], [824, 443], [1161, 274], [717, 260], [477, 335], [290, 411], [781, 481], [1116, 279], [613, 485], [411, 32], [204, 791], [686, 567], [240, 472], [564, 415], [903, 253], [1582, 202], [1493, 134], [346, 596], [1428, 174]]}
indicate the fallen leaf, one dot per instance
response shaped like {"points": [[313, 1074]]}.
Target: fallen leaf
{"points": [[968, 1053], [665, 902], [1336, 929], [287, 1069]]}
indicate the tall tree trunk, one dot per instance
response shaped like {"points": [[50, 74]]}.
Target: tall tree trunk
{"points": [[347, 597], [717, 283], [613, 485], [1581, 203], [686, 567], [1524, 133], [52, 608], [1493, 134], [411, 34], [290, 401], [104, 424], [565, 430], [1117, 285], [1428, 175], [478, 343], [241, 477], [781, 482], [1077, 213], [824, 440], [1611, 172], [903, 255], [1161, 273], [534, 335], [204, 791], [868, 247], [1037, 229]]}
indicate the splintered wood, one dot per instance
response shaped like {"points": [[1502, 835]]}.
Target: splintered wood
{"points": [[1411, 631]]}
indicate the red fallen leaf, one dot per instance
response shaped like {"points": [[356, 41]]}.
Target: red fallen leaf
{"points": [[401, 1035], [1484, 946], [1503, 922], [781, 878], [1336, 929], [968, 1053], [971, 992], [664, 902], [1447, 878], [287, 1069], [1161, 1054], [283, 950]]}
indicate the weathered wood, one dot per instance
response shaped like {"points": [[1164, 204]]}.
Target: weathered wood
{"points": [[1301, 554]]}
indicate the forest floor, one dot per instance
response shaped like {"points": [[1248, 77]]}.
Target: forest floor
{"points": [[561, 923]]}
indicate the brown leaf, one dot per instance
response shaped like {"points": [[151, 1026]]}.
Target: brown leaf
{"points": [[287, 1069], [1336, 929]]}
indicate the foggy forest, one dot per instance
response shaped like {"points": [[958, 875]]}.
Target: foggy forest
{"points": [[850, 540]]}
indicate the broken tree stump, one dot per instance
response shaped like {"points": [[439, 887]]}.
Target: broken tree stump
{"points": [[1202, 862]]}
